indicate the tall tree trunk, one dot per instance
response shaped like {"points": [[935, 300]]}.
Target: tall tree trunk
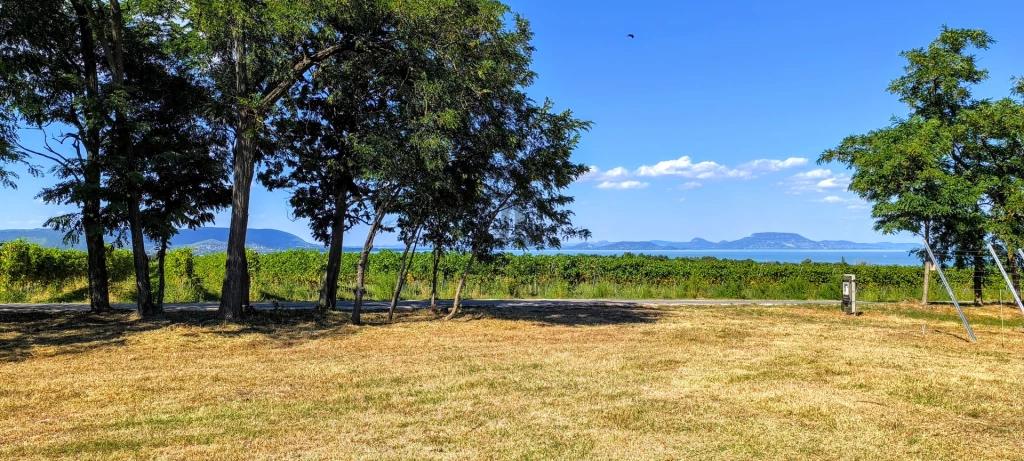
{"points": [[979, 279], [161, 286], [146, 306], [433, 278], [462, 284], [99, 292], [234, 292], [329, 289], [927, 267], [115, 57], [364, 257], [403, 268]]}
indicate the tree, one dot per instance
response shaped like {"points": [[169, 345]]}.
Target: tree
{"points": [[916, 172], [366, 136], [321, 154], [51, 75], [438, 79], [996, 155], [519, 202], [318, 162], [255, 52], [177, 138], [411, 241], [158, 113], [175, 203], [111, 29]]}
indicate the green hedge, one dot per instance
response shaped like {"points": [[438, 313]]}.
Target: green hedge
{"points": [[30, 273]]}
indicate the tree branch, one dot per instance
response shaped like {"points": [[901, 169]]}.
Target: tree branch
{"points": [[298, 69]]}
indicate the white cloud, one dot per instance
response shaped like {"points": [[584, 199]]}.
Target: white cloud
{"points": [[616, 172], [685, 167], [853, 203], [813, 174], [819, 180], [595, 174], [622, 185], [767, 165], [832, 183]]}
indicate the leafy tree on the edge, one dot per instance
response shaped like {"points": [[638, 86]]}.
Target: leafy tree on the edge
{"points": [[954, 168], [51, 79]]}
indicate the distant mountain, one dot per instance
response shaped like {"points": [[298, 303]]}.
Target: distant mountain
{"points": [[42, 237], [650, 246], [215, 239], [759, 241], [203, 240], [591, 245]]}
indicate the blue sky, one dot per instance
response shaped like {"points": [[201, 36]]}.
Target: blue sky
{"points": [[709, 122]]}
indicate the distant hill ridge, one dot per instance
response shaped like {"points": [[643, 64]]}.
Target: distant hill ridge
{"points": [[214, 239], [758, 241], [203, 240]]}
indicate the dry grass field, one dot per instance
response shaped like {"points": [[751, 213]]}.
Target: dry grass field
{"points": [[585, 383]]}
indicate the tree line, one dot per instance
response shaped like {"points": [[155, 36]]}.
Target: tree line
{"points": [[32, 273], [952, 170], [408, 115]]}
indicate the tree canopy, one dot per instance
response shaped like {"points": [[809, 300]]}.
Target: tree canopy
{"points": [[951, 170], [408, 115]]}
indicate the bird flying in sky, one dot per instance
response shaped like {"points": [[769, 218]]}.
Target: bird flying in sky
{"points": [[631, 36]]}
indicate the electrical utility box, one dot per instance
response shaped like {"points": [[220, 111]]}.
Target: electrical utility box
{"points": [[850, 294]]}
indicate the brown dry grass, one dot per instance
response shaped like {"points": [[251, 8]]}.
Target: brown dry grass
{"points": [[616, 383]]}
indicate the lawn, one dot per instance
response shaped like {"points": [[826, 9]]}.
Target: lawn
{"points": [[612, 383]]}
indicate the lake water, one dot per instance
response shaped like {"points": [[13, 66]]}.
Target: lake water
{"points": [[874, 257]]}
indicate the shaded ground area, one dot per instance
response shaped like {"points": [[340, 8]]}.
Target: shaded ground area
{"points": [[378, 306], [28, 333], [515, 381]]}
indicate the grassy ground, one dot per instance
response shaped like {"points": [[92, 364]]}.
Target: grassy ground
{"points": [[723, 382]]}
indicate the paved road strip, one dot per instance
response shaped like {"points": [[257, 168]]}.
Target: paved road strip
{"points": [[377, 306]]}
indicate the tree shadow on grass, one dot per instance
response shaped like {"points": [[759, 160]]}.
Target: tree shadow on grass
{"points": [[953, 335], [33, 333], [575, 316], [286, 325], [28, 334]]}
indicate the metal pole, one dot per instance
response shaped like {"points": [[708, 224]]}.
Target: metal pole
{"points": [[949, 290], [1013, 291]]}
